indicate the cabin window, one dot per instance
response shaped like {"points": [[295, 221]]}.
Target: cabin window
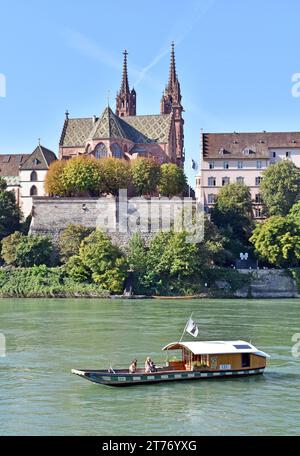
{"points": [[245, 359]]}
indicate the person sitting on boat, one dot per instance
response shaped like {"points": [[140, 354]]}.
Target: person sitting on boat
{"points": [[132, 367], [149, 365]]}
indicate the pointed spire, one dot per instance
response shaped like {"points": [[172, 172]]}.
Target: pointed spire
{"points": [[125, 84], [172, 75]]}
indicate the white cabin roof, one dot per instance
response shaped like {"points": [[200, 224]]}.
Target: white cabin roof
{"points": [[216, 347]]}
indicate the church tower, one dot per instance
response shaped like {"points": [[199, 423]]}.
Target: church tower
{"points": [[126, 99], [171, 103]]}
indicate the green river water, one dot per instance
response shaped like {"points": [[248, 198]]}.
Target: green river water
{"points": [[46, 338]]}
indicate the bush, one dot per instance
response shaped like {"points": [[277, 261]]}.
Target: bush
{"points": [[24, 251], [70, 240], [10, 213], [99, 261]]}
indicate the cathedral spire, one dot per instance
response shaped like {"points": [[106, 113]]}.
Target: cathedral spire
{"points": [[126, 99], [125, 84], [172, 75]]}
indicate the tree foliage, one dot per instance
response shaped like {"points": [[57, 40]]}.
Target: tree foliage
{"points": [[10, 213], [172, 180], [70, 240], [100, 262], [54, 184], [82, 175], [25, 251], [116, 175], [232, 214], [145, 175], [280, 187], [277, 241]]}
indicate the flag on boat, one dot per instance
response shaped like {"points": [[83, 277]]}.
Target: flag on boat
{"points": [[192, 328]]}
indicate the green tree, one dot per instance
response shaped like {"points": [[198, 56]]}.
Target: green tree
{"points": [[10, 213], [25, 251], [116, 175], [145, 175], [70, 240], [137, 262], [232, 214], [277, 241], [100, 260], [172, 180], [280, 187], [54, 183], [82, 175]]}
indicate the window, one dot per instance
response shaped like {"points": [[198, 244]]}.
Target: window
{"points": [[116, 150], [211, 198], [125, 148], [258, 199], [288, 154], [211, 181], [247, 151], [33, 191], [274, 154], [240, 165], [240, 180], [258, 212], [225, 165], [33, 176], [36, 161], [225, 180], [211, 165], [245, 359], [100, 151], [258, 180], [258, 164]]}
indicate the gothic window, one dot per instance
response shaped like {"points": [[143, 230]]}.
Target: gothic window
{"points": [[33, 191], [116, 150], [33, 176], [258, 212], [100, 151]]}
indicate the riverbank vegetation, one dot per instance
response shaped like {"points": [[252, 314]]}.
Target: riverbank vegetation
{"points": [[85, 261]]}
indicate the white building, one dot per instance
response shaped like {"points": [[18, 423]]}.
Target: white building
{"points": [[241, 157], [25, 175]]}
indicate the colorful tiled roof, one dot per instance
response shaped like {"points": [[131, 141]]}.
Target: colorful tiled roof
{"points": [[40, 158], [138, 129], [10, 164], [233, 145], [107, 126]]}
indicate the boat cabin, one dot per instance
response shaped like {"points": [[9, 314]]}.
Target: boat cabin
{"points": [[216, 356]]}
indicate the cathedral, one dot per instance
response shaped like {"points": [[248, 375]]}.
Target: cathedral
{"points": [[123, 133]]}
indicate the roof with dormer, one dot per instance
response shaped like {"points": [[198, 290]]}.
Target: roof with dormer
{"points": [[246, 145], [137, 129], [10, 164], [40, 158]]}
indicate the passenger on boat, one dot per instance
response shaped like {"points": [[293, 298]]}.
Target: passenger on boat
{"points": [[149, 365], [132, 367]]}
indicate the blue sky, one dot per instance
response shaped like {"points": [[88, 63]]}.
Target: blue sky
{"points": [[235, 60]]}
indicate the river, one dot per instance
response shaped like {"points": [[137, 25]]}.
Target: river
{"points": [[46, 338]]}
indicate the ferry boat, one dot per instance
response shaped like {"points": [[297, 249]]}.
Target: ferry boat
{"points": [[198, 361]]}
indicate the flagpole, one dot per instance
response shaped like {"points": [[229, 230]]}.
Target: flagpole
{"points": [[185, 327]]}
